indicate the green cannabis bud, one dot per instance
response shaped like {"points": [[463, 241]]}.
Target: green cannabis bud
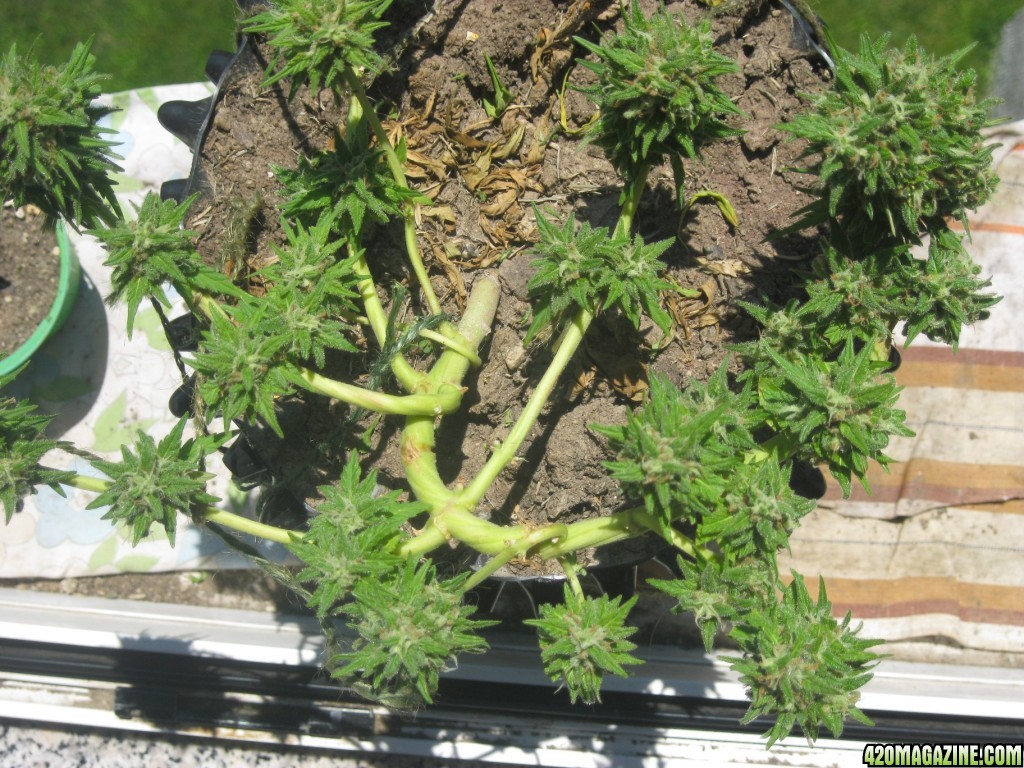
{"points": [[656, 90], [55, 156], [897, 141]]}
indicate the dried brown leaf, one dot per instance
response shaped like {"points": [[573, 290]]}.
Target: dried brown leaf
{"points": [[500, 203], [724, 267], [626, 375]]}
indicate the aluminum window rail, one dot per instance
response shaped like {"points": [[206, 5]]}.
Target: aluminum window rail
{"points": [[254, 677]]}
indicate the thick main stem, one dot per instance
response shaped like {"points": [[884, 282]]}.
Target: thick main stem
{"points": [[551, 532], [631, 202], [671, 535], [418, 438], [452, 515]]}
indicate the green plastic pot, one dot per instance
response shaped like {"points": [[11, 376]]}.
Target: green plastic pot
{"points": [[63, 303]]}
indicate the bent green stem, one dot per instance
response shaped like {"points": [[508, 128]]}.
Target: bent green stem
{"points": [[451, 516], [465, 339], [416, 445], [406, 375], [631, 201], [398, 172], [595, 532], [551, 532], [452, 344], [681, 542], [505, 453], [779, 445], [429, 538], [505, 542], [445, 399], [568, 567], [251, 527], [86, 483], [455, 523]]}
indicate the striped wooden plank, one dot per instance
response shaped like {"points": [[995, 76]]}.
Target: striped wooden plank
{"points": [[988, 370], [941, 482], [890, 598], [970, 547], [1003, 228]]}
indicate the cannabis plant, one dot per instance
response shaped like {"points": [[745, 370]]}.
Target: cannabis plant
{"points": [[897, 150], [897, 142], [53, 152], [707, 469]]}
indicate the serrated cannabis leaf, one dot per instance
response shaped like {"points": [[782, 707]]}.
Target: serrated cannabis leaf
{"points": [[55, 156], [582, 640], [839, 412], [242, 364], [352, 537], [411, 627], [801, 666], [944, 293], [656, 92], [896, 142], [22, 445], [589, 269], [677, 453], [319, 41], [153, 249], [716, 593], [155, 481], [349, 183]]}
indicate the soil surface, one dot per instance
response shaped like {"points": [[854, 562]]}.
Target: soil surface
{"points": [[29, 274], [484, 176]]}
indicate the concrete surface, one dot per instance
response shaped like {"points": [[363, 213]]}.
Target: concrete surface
{"points": [[1008, 69], [23, 745]]}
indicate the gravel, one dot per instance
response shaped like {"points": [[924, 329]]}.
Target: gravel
{"points": [[24, 745]]}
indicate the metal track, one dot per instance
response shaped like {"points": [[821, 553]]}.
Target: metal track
{"points": [[255, 677]]}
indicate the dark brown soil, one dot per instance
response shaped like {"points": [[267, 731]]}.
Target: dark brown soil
{"points": [[484, 176], [29, 274]]}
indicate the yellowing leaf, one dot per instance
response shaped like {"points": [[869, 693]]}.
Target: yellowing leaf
{"points": [[444, 213], [724, 206], [511, 146], [626, 374]]}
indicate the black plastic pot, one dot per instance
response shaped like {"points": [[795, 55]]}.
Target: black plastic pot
{"points": [[190, 121]]}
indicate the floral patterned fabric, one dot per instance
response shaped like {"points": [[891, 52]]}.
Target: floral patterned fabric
{"points": [[103, 387]]}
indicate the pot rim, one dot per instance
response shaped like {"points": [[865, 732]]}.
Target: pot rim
{"points": [[67, 293]]}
